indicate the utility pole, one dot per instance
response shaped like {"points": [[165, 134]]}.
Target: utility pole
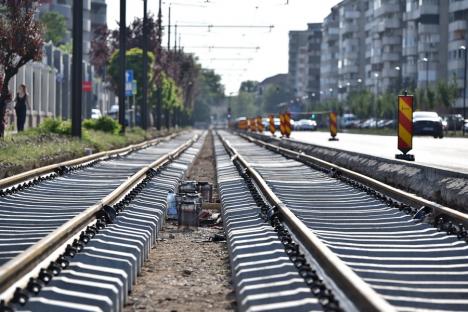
{"points": [[122, 50], [144, 106], [169, 31], [159, 69], [77, 68], [464, 48], [175, 39]]}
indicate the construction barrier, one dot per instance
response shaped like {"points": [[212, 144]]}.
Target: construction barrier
{"points": [[287, 124], [333, 126], [253, 125], [260, 127], [405, 126], [282, 128], [272, 125]]}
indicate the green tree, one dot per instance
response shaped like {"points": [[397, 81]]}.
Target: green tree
{"points": [[210, 93], [272, 96], [54, 27]]}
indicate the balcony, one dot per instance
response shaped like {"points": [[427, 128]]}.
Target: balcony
{"points": [[391, 40], [428, 29], [390, 57], [387, 9], [407, 51], [432, 9], [412, 15], [457, 25], [458, 6], [351, 14]]}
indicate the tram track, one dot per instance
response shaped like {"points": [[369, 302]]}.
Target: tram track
{"points": [[45, 226], [371, 242]]}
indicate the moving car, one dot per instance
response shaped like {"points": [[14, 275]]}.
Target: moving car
{"points": [[427, 123], [305, 124]]}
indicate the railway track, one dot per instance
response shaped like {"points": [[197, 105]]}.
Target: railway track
{"points": [[357, 244], [75, 238]]}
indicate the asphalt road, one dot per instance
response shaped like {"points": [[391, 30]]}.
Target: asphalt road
{"points": [[447, 153]]}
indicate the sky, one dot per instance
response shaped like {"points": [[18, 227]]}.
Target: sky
{"points": [[236, 53]]}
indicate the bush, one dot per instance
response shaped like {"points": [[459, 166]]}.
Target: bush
{"points": [[50, 125], [104, 123]]}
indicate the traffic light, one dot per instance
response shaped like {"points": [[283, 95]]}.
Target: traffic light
{"points": [[312, 117]]}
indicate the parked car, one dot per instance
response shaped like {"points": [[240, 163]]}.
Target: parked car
{"points": [[277, 123], [368, 123], [305, 124], [95, 113], [454, 122], [349, 121], [427, 123]]}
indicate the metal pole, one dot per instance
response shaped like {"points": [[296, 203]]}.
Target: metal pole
{"points": [[464, 92], [159, 70], [144, 106], [77, 69], [122, 50], [169, 31]]}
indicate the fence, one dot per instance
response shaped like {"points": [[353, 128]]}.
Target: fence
{"points": [[49, 87]]}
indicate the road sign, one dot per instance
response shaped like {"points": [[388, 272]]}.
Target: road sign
{"points": [[87, 86], [333, 126], [129, 82], [405, 126], [134, 87]]}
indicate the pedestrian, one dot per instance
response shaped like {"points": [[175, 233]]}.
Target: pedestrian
{"points": [[21, 107]]}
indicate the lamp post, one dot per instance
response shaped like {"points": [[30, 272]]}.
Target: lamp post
{"points": [[464, 90], [144, 106], [376, 75], [426, 60], [77, 67], [398, 69]]}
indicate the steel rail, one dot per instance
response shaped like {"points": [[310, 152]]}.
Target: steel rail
{"points": [[19, 178], [357, 291], [19, 266], [386, 189]]}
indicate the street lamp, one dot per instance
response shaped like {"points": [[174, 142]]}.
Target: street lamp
{"points": [[398, 69], [376, 75], [464, 90], [426, 60]]}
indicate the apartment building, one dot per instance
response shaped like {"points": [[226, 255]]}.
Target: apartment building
{"points": [[384, 30], [304, 61], [94, 14], [351, 55], [329, 55], [424, 54], [457, 38]]}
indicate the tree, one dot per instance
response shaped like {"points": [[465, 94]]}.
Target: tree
{"points": [[20, 42], [210, 93], [54, 27], [272, 96], [134, 60], [101, 51]]}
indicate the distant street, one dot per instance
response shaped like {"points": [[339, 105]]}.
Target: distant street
{"points": [[448, 153]]}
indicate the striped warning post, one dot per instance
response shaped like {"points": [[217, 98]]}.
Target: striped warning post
{"points": [[287, 124], [282, 130], [333, 126], [405, 123], [253, 125], [272, 124], [260, 127]]}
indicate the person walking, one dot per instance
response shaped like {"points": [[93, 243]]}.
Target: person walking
{"points": [[21, 107]]}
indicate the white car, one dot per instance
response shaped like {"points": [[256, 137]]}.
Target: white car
{"points": [[95, 113]]}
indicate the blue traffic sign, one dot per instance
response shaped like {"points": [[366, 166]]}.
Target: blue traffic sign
{"points": [[129, 82]]}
